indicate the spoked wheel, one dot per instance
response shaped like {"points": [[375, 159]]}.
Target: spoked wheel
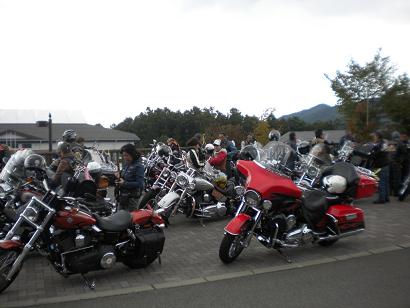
{"points": [[7, 258], [231, 247]]}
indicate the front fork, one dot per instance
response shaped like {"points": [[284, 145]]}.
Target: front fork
{"points": [[39, 229]]}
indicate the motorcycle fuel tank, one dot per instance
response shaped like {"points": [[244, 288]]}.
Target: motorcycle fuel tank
{"points": [[73, 219], [203, 185]]}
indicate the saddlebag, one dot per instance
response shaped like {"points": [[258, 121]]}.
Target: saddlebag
{"points": [[150, 243], [349, 218]]}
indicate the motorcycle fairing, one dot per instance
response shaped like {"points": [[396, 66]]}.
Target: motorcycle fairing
{"points": [[348, 217], [267, 182], [10, 244], [235, 225]]}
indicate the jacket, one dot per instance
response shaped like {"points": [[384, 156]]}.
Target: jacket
{"points": [[219, 160], [133, 176]]}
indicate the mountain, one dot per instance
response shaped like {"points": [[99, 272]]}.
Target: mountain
{"points": [[321, 112]]}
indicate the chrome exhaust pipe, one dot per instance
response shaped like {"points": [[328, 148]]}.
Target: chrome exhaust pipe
{"points": [[341, 235]]}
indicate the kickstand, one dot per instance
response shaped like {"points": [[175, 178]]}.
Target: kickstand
{"points": [[159, 259], [201, 221], [88, 283], [284, 255]]}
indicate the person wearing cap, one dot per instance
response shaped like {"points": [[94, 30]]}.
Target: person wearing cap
{"points": [[219, 158]]}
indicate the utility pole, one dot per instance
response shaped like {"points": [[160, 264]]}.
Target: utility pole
{"points": [[50, 145]]}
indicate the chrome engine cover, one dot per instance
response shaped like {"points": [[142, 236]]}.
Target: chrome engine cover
{"points": [[108, 260]]}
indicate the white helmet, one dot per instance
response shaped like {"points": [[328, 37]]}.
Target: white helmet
{"points": [[274, 135], [93, 167], [209, 148], [335, 184]]}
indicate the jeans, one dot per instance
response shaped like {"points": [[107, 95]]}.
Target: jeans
{"points": [[384, 184]]}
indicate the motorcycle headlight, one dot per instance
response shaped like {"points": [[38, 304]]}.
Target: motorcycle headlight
{"points": [[239, 190], [182, 180], [252, 198], [166, 173]]}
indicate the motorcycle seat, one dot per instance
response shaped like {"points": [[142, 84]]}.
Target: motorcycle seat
{"points": [[118, 221], [315, 200]]}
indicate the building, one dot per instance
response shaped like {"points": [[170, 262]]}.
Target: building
{"points": [[30, 135]]}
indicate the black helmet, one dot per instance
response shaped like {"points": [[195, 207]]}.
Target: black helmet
{"points": [[274, 135], [69, 135], [303, 148], [163, 150], [35, 162], [249, 152]]}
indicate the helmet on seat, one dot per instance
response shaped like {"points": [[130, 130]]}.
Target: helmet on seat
{"points": [[274, 135], [35, 162], [69, 135], [335, 184], [163, 150]]}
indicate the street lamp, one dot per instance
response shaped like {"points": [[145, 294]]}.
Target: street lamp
{"points": [[49, 124]]}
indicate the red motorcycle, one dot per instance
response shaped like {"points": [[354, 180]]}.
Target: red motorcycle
{"points": [[76, 241], [281, 214]]}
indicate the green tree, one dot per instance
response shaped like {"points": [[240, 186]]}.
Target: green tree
{"points": [[362, 85]]}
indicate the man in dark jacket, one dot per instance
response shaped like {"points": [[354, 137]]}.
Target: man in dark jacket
{"points": [[381, 160], [64, 166]]}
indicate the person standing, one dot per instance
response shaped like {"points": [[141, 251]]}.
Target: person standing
{"points": [[130, 182], [63, 166], [293, 141], [398, 157], [381, 161], [231, 150]]}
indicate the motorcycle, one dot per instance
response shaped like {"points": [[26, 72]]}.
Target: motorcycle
{"points": [[282, 214], [77, 242], [199, 196], [404, 189]]}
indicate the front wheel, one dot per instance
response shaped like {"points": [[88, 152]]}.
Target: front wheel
{"points": [[231, 247], [7, 258]]}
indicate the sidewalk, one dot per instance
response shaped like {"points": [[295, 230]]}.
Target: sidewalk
{"points": [[191, 254]]}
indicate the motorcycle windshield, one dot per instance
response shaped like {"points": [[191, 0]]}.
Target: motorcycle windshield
{"points": [[14, 169], [320, 152], [278, 155]]}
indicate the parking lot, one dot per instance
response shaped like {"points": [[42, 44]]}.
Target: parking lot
{"points": [[191, 256]]}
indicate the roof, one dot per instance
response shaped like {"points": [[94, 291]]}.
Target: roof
{"points": [[89, 132], [331, 135], [31, 116]]}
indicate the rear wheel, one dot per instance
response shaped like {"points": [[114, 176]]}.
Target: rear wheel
{"points": [[7, 258], [231, 247]]}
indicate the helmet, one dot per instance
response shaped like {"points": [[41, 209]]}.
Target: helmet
{"points": [[303, 148], [35, 162], [93, 167], [274, 135], [209, 148], [249, 152], [69, 135], [163, 150], [335, 184]]}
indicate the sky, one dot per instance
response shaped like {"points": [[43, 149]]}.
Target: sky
{"points": [[113, 59]]}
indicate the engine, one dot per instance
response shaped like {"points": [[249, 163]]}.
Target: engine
{"points": [[79, 255]]}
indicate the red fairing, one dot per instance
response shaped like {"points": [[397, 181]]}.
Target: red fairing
{"points": [[10, 244], [73, 219], [141, 217], [235, 225], [349, 217], [367, 187], [266, 182]]}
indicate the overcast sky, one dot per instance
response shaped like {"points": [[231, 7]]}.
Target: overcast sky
{"points": [[113, 59]]}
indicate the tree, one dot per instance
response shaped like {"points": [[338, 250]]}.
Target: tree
{"points": [[362, 85], [396, 103], [261, 132]]}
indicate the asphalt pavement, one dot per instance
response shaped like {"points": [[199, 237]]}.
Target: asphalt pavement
{"points": [[375, 281], [191, 257]]}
